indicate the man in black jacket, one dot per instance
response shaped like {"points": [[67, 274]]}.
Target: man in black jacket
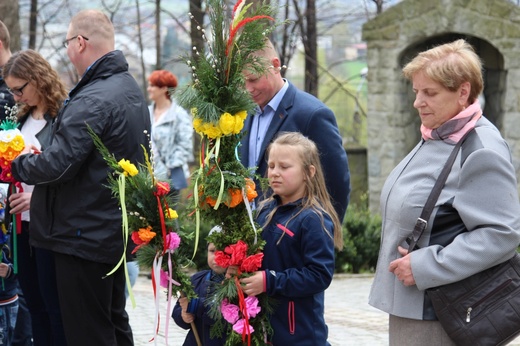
{"points": [[73, 213]]}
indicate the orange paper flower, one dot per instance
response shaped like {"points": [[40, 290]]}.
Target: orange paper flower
{"points": [[146, 234]]}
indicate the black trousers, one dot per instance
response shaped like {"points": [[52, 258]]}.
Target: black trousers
{"points": [[92, 305], [37, 278]]}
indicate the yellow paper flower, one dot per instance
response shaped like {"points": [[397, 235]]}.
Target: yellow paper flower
{"points": [[212, 131], [18, 143], [242, 115], [198, 125], [128, 168], [10, 154], [239, 124], [226, 124], [172, 214]]}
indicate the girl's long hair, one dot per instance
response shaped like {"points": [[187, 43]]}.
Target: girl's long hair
{"points": [[316, 196]]}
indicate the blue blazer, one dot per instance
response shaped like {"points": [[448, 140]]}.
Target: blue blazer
{"points": [[301, 112]]}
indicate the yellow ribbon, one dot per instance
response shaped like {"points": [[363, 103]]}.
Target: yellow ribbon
{"points": [[124, 227]]}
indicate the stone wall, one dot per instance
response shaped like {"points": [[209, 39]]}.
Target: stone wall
{"points": [[396, 35]]}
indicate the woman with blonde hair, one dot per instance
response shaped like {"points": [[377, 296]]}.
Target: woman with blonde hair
{"points": [[475, 223], [301, 229]]}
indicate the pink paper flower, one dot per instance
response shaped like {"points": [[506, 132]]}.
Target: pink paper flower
{"points": [[173, 241], [165, 278], [229, 311], [252, 306], [240, 325]]}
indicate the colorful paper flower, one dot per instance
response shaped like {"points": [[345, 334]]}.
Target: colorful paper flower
{"points": [[252, 306], [240, 325], [129, 168], [252, 263], [172, 214], [162, 188], [146, 234], [172, 241], [229, 311]]}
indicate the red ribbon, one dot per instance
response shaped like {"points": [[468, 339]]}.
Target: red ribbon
{"points": [[163, 224], [243, 308], [162, 189], [19, 215]]}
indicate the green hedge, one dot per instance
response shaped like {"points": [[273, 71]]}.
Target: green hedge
{"points": [[362, 237]]}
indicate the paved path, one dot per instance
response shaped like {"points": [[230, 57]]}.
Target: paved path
{"points": [[351, 321]]}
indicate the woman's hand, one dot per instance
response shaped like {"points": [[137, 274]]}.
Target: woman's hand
{"points": [[253, 285], [402, 268], [30, 149], [19, 202]]}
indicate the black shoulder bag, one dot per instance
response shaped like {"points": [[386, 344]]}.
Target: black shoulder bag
{"points": [[483, 309]]}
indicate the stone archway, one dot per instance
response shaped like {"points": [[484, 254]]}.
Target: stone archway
{"points": [[398, 34]]}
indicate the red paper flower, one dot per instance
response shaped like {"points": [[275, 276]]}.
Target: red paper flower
{"points": [[237, 251], [6, 175], [221, 259], [252, 263], [233, 255], [162, 188]]}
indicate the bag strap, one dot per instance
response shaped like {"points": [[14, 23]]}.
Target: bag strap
{"points": [[422, 221]]}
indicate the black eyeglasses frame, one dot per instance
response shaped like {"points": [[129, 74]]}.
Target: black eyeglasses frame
{"points": [[17, 91], [66, 42]]}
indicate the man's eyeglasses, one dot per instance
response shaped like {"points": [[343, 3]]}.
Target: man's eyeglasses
{"points": [[18, 91], [66, 42]]}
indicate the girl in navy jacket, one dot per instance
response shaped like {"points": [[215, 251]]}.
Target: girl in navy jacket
{"points": [[301, 229]]}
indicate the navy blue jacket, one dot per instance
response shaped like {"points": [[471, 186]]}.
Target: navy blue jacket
{"points": [[299, 265], [202, 282], [301, 112], [9, 284]]}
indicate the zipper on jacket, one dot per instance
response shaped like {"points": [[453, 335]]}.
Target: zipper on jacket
{"points": [[292, 321], [483, 299]]}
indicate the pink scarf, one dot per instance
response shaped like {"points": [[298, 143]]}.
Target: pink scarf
{"points": [[453, 130]]}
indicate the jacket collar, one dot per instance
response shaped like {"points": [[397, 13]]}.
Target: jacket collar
{"points": [[106, 66]]}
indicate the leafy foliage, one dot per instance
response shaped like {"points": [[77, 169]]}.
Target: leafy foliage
{"points": [[362, 237], [222, 186], [147, 218]]}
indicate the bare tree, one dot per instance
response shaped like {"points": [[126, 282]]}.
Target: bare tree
{"points": [[310, 44], [33, 22], [141, 48], [112, 9], [379, 6], [197, 19], [158, 45]]}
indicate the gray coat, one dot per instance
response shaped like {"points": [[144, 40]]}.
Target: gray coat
{"points": [[172, 140], [475, 223]]}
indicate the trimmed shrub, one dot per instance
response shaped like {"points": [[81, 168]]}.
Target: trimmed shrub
{"points": [[362, 237]]}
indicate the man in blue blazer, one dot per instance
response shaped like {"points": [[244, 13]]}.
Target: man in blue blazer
{"points": [[282, 107]]}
